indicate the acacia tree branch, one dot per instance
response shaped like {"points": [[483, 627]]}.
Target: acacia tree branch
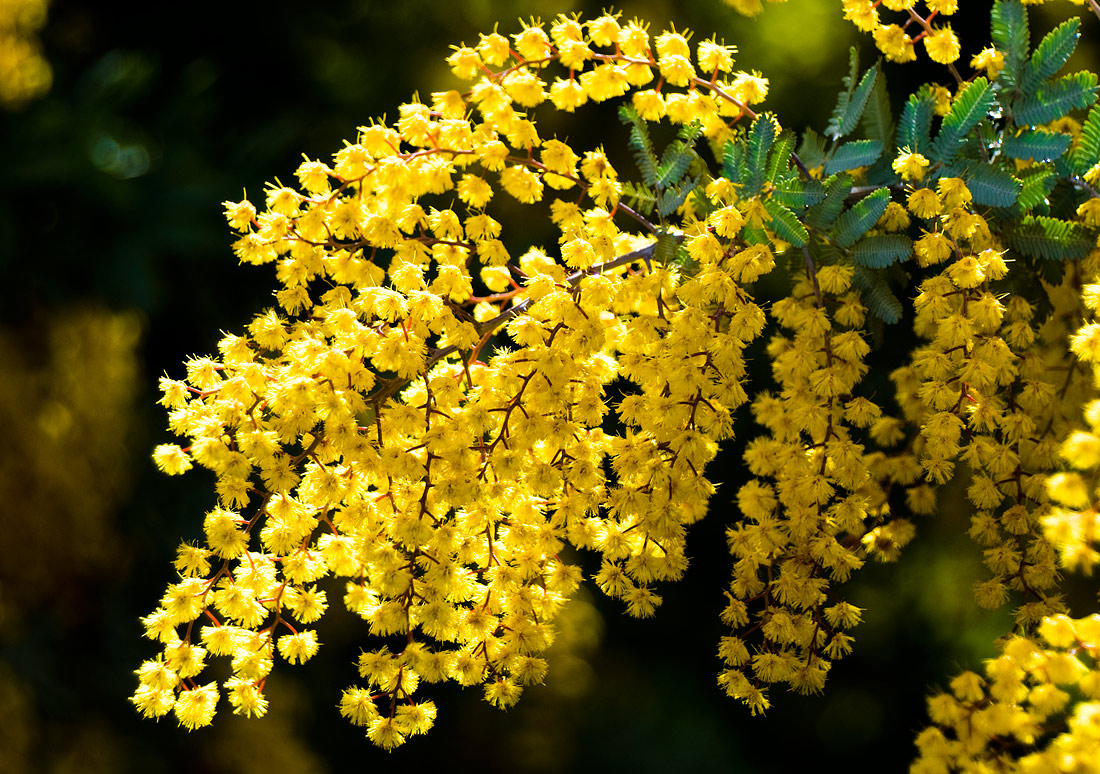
{"points": [[391, 387], [574, 279]]}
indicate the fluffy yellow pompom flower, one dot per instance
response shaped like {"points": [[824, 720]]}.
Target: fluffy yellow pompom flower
{"points": [[196, 707], [171, 459], [910, 165], [924, 203], [714, 57], [989, 59], [942, 45], [894, 43], [943, 7], [862, 13], [300, 647]]}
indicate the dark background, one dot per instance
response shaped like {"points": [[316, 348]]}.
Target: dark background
{"points": [[115, 267]]}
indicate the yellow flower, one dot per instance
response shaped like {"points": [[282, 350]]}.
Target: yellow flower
{"points": [[942, 45], [196, 707], [894, 218], [649, 104], [524, 87], [532, 43], [910, 165], [493, 49], [714, 57], [862, 13], [567, 95], [240, 214], [749, 88], [924, 203], [953, 192], [171, 459], [746, 8], [298, 648], [894, 43], [604, 30], [521, 183], [966, 272], [989, 59], [465, 62], [1089, 212]]}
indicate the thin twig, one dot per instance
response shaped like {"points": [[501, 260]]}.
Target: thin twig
{"points": [[393, 386]]}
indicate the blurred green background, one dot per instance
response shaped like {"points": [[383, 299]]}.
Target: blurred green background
{"points": [[115, 266]]}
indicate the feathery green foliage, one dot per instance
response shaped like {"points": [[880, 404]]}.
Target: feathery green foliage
{"points": [[915, 126], [852, 101], [860, 217]]}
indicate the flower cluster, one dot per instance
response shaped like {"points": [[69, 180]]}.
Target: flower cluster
{"points": [[806, 514], [24, 73], [897, 41], [989, 388], [378, 427], [1072, 524], [1021, 716], [440, 411]]}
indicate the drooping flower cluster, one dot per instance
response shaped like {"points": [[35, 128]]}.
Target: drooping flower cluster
{"points": [[1072, 524], [1037, 708], [439, 412], [806, 513], [1022, 715], [985, 388], [897, 37], [378, 428]]}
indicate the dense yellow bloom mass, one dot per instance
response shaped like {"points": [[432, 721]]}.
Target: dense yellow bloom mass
{"points": [[425, 415], [441, 410], [1024, 703], [24, 73]]}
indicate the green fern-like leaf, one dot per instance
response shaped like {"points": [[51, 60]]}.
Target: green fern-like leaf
{"points": [[1037, 183], [754, 235], [878, 119], [797, 194], [675, 162], [971, 105], [678, 156], [991, 186], [733, 161], [1055, 99], [877, 295], [823, 214], [881, 250], [852, 101], [641, 143], [812, 149], [1036, 145], [1052, 52], [690, 133], [845, 95], [785, 223], [860, 217], [701, 203], [666, 249], [779, 159], [1010, 36], [915, 126], [1087, 152], [669, 200], [762, 135], [1051, 239], [639, 197], [850, 155]]}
